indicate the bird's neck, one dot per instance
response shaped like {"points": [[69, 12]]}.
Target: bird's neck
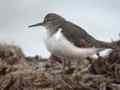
{"points": [[51, 30]]}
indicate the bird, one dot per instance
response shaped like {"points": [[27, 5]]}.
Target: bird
{"points": [[65, 39], [74, 33]]}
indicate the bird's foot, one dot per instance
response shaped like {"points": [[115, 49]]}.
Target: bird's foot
{"points": [[54, 63], [55, 59]]}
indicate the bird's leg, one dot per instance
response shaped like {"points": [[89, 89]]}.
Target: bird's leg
{"points": [[68, 64], [77, 67], [53, 59], [64, 63]]}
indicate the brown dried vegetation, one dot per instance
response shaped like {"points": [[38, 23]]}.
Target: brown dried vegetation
{"points": [[18, 72]]}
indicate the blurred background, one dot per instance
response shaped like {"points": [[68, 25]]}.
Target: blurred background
{"points": [[101, 18]]}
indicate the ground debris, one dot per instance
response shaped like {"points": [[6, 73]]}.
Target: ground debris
{"points": [[18, 72]]}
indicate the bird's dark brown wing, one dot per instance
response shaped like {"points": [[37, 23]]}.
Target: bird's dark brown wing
{"points": [[76, 34]]}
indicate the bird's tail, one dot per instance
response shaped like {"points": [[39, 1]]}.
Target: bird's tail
{"points": [[112, 44]]}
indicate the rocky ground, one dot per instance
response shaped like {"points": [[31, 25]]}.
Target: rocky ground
{"points": [[18, 72]]}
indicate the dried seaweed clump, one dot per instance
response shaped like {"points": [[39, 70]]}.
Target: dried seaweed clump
{"points": [[11, 54], [16, 74], [109, 69]]}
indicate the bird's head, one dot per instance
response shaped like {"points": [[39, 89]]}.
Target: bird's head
{"points": [[50, 20]]}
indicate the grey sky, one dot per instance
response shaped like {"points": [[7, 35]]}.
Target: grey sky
{"points": [[101, 18]]}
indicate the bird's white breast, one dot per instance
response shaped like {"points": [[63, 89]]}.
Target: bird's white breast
{"points": [[58, 45]]}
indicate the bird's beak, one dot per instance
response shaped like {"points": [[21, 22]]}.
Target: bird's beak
{"points": [[35, 25]]}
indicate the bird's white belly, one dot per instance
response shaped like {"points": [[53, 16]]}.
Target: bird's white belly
{"points": [[55, 46], [59, 45]]}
